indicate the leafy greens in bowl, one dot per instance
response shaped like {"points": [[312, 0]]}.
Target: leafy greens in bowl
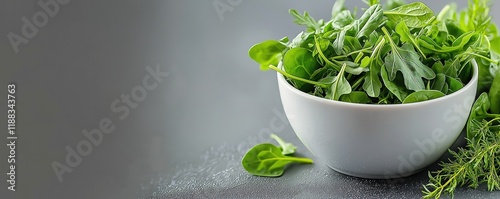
{"points": [[401, 53]]}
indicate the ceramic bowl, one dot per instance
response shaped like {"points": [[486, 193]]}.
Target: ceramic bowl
{"points": [[377, 141]]}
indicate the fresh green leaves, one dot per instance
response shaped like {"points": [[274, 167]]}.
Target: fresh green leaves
{"points": [[422, 95], [300, 62], [406, 60], [416, 15], [390, 52], [269, 160], [340, 86], [267, 53], [369, 21], [305, 19], [495, 94]]}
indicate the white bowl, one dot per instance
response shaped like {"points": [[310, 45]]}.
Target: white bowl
{"points": [[378, 141]]}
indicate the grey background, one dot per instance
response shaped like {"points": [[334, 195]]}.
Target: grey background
{"points": [[186, 137]]}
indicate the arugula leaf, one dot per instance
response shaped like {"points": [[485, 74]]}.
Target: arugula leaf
{"points": [[305, 19], [406, 60], [399, 91], [338, 44], [338, 7], [340, 86], [405, 36], [416, 15], [372, 84]]}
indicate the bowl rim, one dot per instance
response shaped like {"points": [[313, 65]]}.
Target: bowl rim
{"points": [[472, 81]]}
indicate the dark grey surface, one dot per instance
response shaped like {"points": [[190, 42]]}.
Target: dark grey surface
{"points": [[186, 137]]}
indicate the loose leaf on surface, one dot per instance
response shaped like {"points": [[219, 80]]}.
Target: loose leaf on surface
{"points": [[267, 160]]}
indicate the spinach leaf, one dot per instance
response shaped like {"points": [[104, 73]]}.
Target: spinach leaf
{"points": [[440, 84], [423, 95], [416, 15], [300, 62], [286, 148], [369, 21], [495, 94], [454, 85], [340, 86], [356, 97], [267, 53], [479, 112], [391, 4], [342, 19], [406, 60], [267, 160]]}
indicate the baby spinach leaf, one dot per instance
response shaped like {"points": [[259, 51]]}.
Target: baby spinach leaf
{"points": [[391, 4], [369, 21], [340, 86], [267, 160], [300, 62], [356, 97], [416, 15], [406, 60], [495, 45], [399, 91], [453, 28], [423, 95], [439, 83], [478, 112], [342, 19], [267, 53], [454, 85], [495, 94], [286, 148]]}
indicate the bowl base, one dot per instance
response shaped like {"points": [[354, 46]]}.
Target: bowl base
{"points": [[377, 176]]}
